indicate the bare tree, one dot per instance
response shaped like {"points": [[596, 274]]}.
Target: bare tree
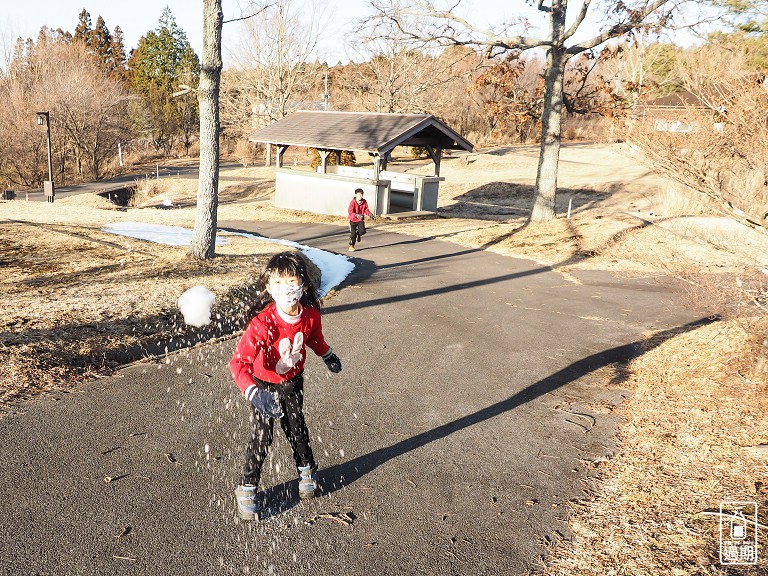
{"points": [[87, 111], [396, 77], [634, 66], [724, 156], [203, 245], [446, 26], [277, 59], [90, 108]]}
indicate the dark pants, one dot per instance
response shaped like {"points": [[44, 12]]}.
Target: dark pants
{"points": [[292, 422], [356, 231]]}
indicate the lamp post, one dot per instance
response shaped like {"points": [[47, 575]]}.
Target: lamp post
{"points": [[45, 117], [326, 95]]}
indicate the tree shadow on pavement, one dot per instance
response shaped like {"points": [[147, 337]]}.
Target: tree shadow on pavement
{"points": [[330, 309], [341, 475], [282, 497]]}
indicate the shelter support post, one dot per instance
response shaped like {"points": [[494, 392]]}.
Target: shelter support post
{"points": [[280, 151], [377, 169], [323, 160], [436, 154]]}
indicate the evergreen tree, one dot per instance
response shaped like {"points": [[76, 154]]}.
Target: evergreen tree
{"points": [[162, 56], [84, 28], [118, 55], [748, 16], [163, 61], [101, 45]]}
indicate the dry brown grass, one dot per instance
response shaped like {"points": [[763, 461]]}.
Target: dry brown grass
{"points": [[695, 405], [79, 301], [685, 438]]}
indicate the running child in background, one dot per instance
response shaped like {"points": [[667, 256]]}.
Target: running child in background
{"points": [[268, 367], [358, 210]]}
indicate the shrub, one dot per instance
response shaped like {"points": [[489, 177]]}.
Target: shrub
{"points": [[347, 158]]}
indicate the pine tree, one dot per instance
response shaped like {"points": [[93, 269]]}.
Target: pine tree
{"points": [[101, 45], [162, 61], [118, 55], [162, 56], [84, 28]]}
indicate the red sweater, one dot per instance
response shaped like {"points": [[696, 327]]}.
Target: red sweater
{"points": [[273, 350], [357, 212]]}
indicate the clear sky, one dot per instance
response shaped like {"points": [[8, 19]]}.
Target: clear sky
{"points": [[136, 17]]}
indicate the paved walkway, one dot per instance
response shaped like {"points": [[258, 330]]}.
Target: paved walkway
{"points": [[182, 168], [454, 438]]}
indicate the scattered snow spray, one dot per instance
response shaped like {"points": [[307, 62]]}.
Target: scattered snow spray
{"points": [[195, 304]]}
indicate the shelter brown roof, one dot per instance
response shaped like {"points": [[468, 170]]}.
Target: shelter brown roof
{"points": [[361, 131]]}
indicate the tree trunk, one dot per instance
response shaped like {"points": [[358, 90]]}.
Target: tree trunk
{"points": [[545, 191], [203, 244]]}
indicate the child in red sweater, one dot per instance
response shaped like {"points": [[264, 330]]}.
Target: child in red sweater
{"points": [[268, 366], [357, 211]]}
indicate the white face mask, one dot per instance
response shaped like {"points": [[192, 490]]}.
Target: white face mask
{"points": [[287, 296]]}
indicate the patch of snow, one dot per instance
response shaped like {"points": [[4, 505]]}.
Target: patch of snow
{"points": [[158, 233], [334, 268]]}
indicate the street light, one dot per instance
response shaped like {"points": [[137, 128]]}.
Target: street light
{"points": [[45, 117]]}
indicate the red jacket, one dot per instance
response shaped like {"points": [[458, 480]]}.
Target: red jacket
{"points": [[259, 354], [357, 212]]}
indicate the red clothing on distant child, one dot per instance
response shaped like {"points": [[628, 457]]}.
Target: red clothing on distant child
{"points": [[357, 212], [258, 351]]}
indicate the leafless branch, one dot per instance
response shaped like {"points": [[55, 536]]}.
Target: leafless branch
{"points": [[619, 29], [259, 11], [579, 19]]}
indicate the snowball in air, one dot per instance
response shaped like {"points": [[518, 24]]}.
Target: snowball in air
{"points": [[195, 304]]}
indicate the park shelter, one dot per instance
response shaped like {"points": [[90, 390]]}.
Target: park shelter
{"points": [[330, 189]]}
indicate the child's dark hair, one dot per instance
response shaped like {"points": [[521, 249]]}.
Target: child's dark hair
{"points": [[285, 264]]}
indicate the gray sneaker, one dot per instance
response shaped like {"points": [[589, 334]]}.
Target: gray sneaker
{"points": [[307, 482], [248, 504]]}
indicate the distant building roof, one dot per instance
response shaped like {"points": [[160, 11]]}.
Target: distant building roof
{"points": [[371, 132], [683, 99]]}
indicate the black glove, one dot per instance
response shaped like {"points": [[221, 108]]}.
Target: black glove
{"points": [[332, 361], [266, 402]]}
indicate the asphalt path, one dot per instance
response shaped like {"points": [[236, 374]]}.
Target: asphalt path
{"points": [[166, 170], [470, 410]]}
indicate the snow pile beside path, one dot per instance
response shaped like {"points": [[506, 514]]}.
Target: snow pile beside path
{"points": [[158, 233], [334, 268]]}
